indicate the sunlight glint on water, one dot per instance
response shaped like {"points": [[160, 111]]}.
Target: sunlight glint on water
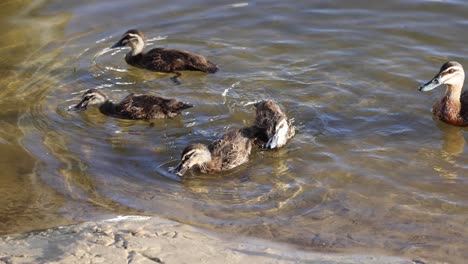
{"points": [[369, 169]]}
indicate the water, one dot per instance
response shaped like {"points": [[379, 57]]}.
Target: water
{"points": [[369, 170]]}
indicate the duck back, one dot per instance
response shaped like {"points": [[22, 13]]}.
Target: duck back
{"points": [[148, 106], [230, 151], [464, 106], [171, 60]]}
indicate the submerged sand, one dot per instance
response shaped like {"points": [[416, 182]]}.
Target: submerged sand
{"points": [[139, 239]]}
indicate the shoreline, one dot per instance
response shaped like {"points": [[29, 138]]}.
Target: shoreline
{"points": [[142, 239]]}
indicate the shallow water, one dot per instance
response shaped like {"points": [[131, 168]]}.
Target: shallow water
{"points": [[369, 170]]}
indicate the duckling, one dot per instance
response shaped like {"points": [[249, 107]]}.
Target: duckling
{"points": [[161, 59], [132, 106], [271, 130], [228, 152], [452, 108], [273, 127]]}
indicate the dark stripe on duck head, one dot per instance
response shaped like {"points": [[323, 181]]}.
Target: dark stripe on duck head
{"points": [[130, 35], [449, 64]]}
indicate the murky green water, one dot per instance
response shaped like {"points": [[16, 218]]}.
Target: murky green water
{"points": [[369, 171]]}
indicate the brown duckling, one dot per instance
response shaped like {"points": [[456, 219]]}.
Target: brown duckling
{"points": [[452, 108], [270, 130], [161, 59], [273, 127], [228, 152], [132, 106]]}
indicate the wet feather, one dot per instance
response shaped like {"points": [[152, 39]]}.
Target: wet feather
{"points": [[133, 106], [162, 59]]}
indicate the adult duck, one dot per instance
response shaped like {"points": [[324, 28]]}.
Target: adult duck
{"points": [[133, 106], [161, 59], [452, 108]]}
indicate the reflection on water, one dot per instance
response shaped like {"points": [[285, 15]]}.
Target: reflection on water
{"points": [[453, 144], [26, 203], [452, 138], [369, 170]]}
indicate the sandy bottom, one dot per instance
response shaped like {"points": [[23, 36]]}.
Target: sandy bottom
{"points": [[139, 239]]}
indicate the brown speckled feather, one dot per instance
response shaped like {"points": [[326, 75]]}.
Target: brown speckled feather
{"points": [[132, 106], [464, 105], [161, 59], [234, 147], [171, 60], [148, 106], [451, 111], [230, 151], [268, 114], [452, 108]]}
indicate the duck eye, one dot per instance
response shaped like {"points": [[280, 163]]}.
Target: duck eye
{"points": [[451, 71]]}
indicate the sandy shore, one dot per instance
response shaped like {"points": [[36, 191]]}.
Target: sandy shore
{"points": [[136, 239]]}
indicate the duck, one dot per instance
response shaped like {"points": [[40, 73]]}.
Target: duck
{"points": [[452, 108], [272, 128], [133, 106], [231, 150], [162, 59]]}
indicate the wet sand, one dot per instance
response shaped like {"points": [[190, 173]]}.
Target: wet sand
{"points": [[139, 239]]}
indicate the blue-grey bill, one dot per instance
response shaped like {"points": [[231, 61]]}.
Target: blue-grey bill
{"points": [[79, 106], [179, 170], [434, 83], [117, 45], [272, 143]]}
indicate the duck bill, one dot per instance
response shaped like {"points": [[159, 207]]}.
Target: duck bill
{"points": [[280, 136], [278, 139], [80, 106], [434, 83], [275, 142], [179, 170], [118, 44]]}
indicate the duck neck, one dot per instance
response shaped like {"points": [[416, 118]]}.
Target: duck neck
{"points": [[452, 98], [453, 92], [133, 59], [209, 165], [450, 104], [137, 46], [107, 108]]}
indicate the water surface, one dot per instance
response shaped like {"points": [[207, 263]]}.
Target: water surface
{"points": [[369, 170]]}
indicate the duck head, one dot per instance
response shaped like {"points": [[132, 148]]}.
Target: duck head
{"points": [[279, 129], [134, 39], [451, 74], [194, 155], [92, 97], [282, 132]]}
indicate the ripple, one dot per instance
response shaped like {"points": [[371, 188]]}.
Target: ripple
{"points": [[368, 168]]}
